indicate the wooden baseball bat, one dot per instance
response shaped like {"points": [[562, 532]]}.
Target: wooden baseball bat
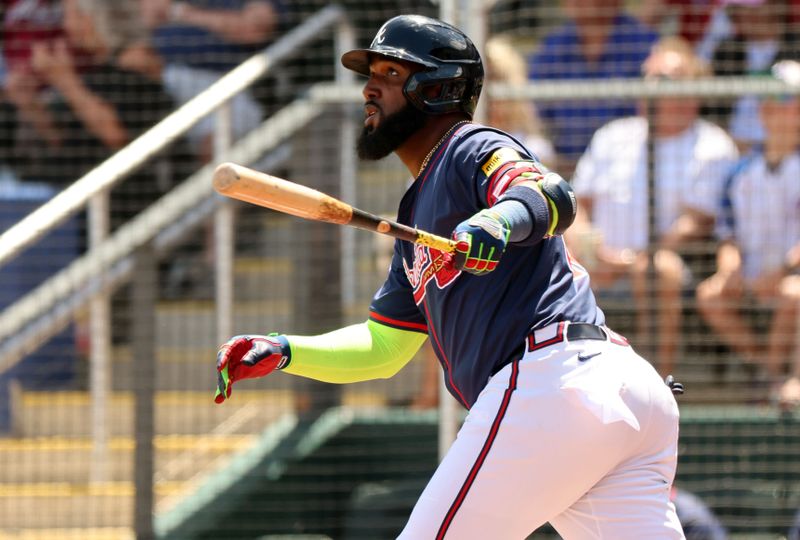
{"points": [[258, 188]]}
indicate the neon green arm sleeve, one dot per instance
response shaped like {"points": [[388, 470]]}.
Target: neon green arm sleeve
{"points": [[355, 353]]}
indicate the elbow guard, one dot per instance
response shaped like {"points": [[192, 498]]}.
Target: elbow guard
{"points": [[562, 202], [552, 210]]}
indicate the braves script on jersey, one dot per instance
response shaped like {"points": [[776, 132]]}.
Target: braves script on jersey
{"points": [[477, 324]]}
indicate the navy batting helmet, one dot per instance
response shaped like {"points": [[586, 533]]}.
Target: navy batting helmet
{"points": [[448, 56]]}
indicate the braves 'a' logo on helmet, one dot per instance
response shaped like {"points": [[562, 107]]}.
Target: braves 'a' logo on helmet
{"points": [[381, 36]]}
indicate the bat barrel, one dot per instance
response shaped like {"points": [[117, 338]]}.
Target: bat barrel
{"points": [[258, 188]]}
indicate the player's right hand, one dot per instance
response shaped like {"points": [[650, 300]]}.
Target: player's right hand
{"points": [[248, 357], [480, 242]]}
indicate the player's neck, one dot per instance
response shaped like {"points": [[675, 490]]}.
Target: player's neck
{"points": [[418, 149]]}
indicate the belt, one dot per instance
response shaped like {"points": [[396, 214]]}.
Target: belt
{"points": [[563, 331], [571, 331]]}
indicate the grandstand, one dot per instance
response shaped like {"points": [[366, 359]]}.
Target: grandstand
{"points": [[108, 335]]}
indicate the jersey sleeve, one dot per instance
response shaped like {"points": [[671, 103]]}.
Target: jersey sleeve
{"points": [[393, 304], [484, 158]]}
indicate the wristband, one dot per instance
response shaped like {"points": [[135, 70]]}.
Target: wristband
{"points": [[286, 350], [537, 207]]}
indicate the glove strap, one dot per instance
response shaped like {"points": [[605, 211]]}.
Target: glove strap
{"points": [[286, 349]]}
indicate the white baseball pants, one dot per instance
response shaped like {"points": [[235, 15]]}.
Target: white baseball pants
{"points": [[582, 434]]}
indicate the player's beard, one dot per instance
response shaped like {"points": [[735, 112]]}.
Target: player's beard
{"points": [[377, 143]]}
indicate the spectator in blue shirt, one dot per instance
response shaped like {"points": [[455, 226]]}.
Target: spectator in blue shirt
{"points": [[200, 40], [598, 41], [216, 35]]}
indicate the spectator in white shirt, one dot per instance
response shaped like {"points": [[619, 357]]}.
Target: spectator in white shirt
{"points": [[690, 159]]}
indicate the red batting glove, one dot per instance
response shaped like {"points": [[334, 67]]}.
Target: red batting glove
{"points": [[249, 357]]}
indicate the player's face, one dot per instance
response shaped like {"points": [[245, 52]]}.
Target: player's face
{"points": [[383, 93], [389, 119]]}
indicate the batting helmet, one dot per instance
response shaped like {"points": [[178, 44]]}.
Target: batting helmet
{"points": [[448, 56]]}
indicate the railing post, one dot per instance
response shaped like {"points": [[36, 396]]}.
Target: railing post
{"points": [[224, 234], [143, 303], [99, 347], [345, 41]]}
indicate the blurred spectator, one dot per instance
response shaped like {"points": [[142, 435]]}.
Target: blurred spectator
{"points": [[216, 35], [610, 234], [760, 31], [697, 519], [598, 41], [794, 530], [97, 106], [689, 19], [517, 117], [27, 23], [201, 40], [759, 227]]}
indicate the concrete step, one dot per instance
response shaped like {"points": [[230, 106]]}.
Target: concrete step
{"points": [[107, 533], [189, 369], [263, 278], [68, 414], [65, 505], [73, 460], [192, 323]]}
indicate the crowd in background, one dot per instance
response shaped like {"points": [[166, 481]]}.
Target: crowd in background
{"points": [[82, 78]]}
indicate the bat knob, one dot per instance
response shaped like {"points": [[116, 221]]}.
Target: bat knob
{"points": [[225, 175]]}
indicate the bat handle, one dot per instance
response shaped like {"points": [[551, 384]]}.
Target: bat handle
{"points": [[436, 242]]}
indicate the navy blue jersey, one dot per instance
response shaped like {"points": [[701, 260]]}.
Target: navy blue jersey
{"points": [[476, 324]]}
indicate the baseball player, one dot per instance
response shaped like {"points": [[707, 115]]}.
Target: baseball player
{"points": [[566, 423]]}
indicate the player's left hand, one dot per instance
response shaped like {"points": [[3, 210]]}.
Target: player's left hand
{"points": [[480, 242], [249, 357]]}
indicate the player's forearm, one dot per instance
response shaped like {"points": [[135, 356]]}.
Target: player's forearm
{"points": [[356, 353]]}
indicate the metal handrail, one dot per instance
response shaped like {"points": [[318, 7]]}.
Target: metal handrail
{"points": [[44, 311], [24, 323]]}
